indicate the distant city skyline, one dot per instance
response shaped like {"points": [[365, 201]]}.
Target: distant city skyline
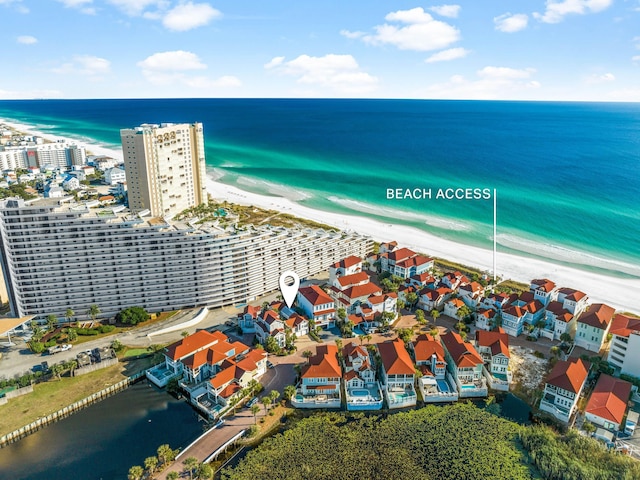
{"points": [[574, 50]]}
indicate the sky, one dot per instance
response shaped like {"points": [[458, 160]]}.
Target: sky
{"points": [[561, 50]]}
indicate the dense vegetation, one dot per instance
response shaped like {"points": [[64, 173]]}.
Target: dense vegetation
{"points": [[16, 190], [455, 442], [575, 457], [132, 316]]}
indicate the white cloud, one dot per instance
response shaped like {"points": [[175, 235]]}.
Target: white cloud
{"points": [[446, 55], [18, 6], [187, 16], [85, 65], [135, 8], [177, 60], [419, 32], [491, 83], [81, 5], [636, 59], [557, 9], [511, 23], [27, 40], [349, 34], [28, 94], [600, 78], [340, 73], [451, 11]]}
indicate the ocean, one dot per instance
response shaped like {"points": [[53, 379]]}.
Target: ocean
{"points": [[567, 175]]}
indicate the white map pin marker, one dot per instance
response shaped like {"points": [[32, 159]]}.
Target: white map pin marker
{"points": [[289, 284]]}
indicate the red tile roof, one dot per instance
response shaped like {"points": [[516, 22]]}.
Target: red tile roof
{"points": [[365, 290], [252, 310], [624, 326], [543, 284], [572, 294], [569, 374], [401, 254], [609, 399], [315, 295], [413, 262], [324, 364], [230, 390], [194, 342], [464, 354], [395, 358], [350, 261], [497, 340], [425, 346], [223, 377], [353, 279], [597, 315]]}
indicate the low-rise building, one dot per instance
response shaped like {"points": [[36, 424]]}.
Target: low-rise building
{"points": [[362, 390], [317, 305], [543, 290], [607, 405], [320, 380], [397, 374], [430, 359], [493, 346], [486, 318], [593, 326], [346, 266], [465, 366], [573, 300], [558, 320], [625, 344], [563, 388], [115, 175]]}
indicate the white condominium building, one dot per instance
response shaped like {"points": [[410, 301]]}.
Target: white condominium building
{"points": [[165, 167], [58, 255]]}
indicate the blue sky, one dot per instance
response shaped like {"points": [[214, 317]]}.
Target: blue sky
{"points": [[472, 49]]}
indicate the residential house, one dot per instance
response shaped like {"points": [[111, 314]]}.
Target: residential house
{"points": [[523, 308], [235, 374], [397, 374], [607, 405], [465, 366], [543, 290], [573, 300], [452, 307], [70, 183], [593, 326], [493, 347], [298, 325], [351, 280], [513, 320], [625, 344], [558, 320], [415, 265], [269, 324], [430, 359], [419, 281], [454, 280], [433, 299], [471, 294], [320, 380], [388, 247], [247, 319], [362, 390], [495, 301], [563, 388], [346, 266], [317, 305], [115, 175], [354, 295], [486, 318]]}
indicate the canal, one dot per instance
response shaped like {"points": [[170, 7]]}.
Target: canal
{"points": [[104, 440]]}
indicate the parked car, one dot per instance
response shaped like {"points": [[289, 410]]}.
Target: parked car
{"points": [[269, 364], [252, 402], [65, 346], [229, 323]]}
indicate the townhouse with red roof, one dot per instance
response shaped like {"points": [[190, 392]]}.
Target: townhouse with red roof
{"points": [[422, 280], [429, 357], [404, 262], [486, 318], [269, 324], [454, 280], [471, 294], [558, 320], [563, 388], [521, 309], [235, 374], [434, 299], [573, 300], [493, 347], [608, 403], [247, 319], [465, 365], [397, 374], [593, 325], [363, 391], [346, 266], [625, 344], [317, 305], [320, 378], [495, 301], [452, 307], [543, 289], [352, 291]]}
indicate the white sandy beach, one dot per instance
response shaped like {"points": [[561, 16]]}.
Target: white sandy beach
{"points": [[620, 293]]}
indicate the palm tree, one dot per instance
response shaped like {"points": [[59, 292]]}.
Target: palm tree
{"points": [[274, 394], [71, 365], [151, 463], [135, 472], [184, 334], [289, 391], [173, 475], [52, 321], [204, 471], [190, 464], [68, 314], [266, 401], [93, 312], [166, 454], [412, 298], [339, 344], [307, 354], [72, 334], [57, 369], [367, 337], [435, 314], [255, 409]]}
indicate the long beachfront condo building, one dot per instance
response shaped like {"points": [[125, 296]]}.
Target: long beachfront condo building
{"points": [[165, 167], [57, 254]]}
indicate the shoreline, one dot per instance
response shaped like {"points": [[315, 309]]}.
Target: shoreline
{"points": [[614, 291]]}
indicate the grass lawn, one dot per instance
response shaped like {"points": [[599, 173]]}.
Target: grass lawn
{"points": [[134, 352], [55, 394]]}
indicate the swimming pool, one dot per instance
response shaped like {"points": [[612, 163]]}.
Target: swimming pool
{"points": [[443, 386], [359, 393]]}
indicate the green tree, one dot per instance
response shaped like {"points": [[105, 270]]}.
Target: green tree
{"points": [[166, 454], [52, 322], [289, 392], [72, 334], [420, 317], [132, 316], [58, 369], [135, 473], [266, 401], [71, 365], [255, 409], [342, 314], [412, 298], [271, 345], [565, 337], [555, 351], [274, 395], [588, 427], [307, 354], [464, 312], [93, 312], [184, 334], [367, 337], [151, 463], [204, 471], [435, 314], [405, 334], [339, 344], [173, 475], [190, 464], [68, 315]]}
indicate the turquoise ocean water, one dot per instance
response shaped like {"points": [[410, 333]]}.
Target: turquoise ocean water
{"points": [[567, 175]]}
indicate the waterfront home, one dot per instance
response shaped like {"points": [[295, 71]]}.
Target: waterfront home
{"points": [[362, 390], [429, 357], [415, 265], [593, 326], [573, 300], [607, 405], [388, 247], [543, 290], [558, 320], [495, 301], [563, 387], [493, 347], [513, 320], [454, 280], [431, 299], [345, 281], [320, 380], [420, 281], [486, 318], [523, 308], [317, 305], [452, 306], [344, 267], [625, 344], [471, 294], [247, 319], [353, 296], [465, 365], [397, 374]]}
